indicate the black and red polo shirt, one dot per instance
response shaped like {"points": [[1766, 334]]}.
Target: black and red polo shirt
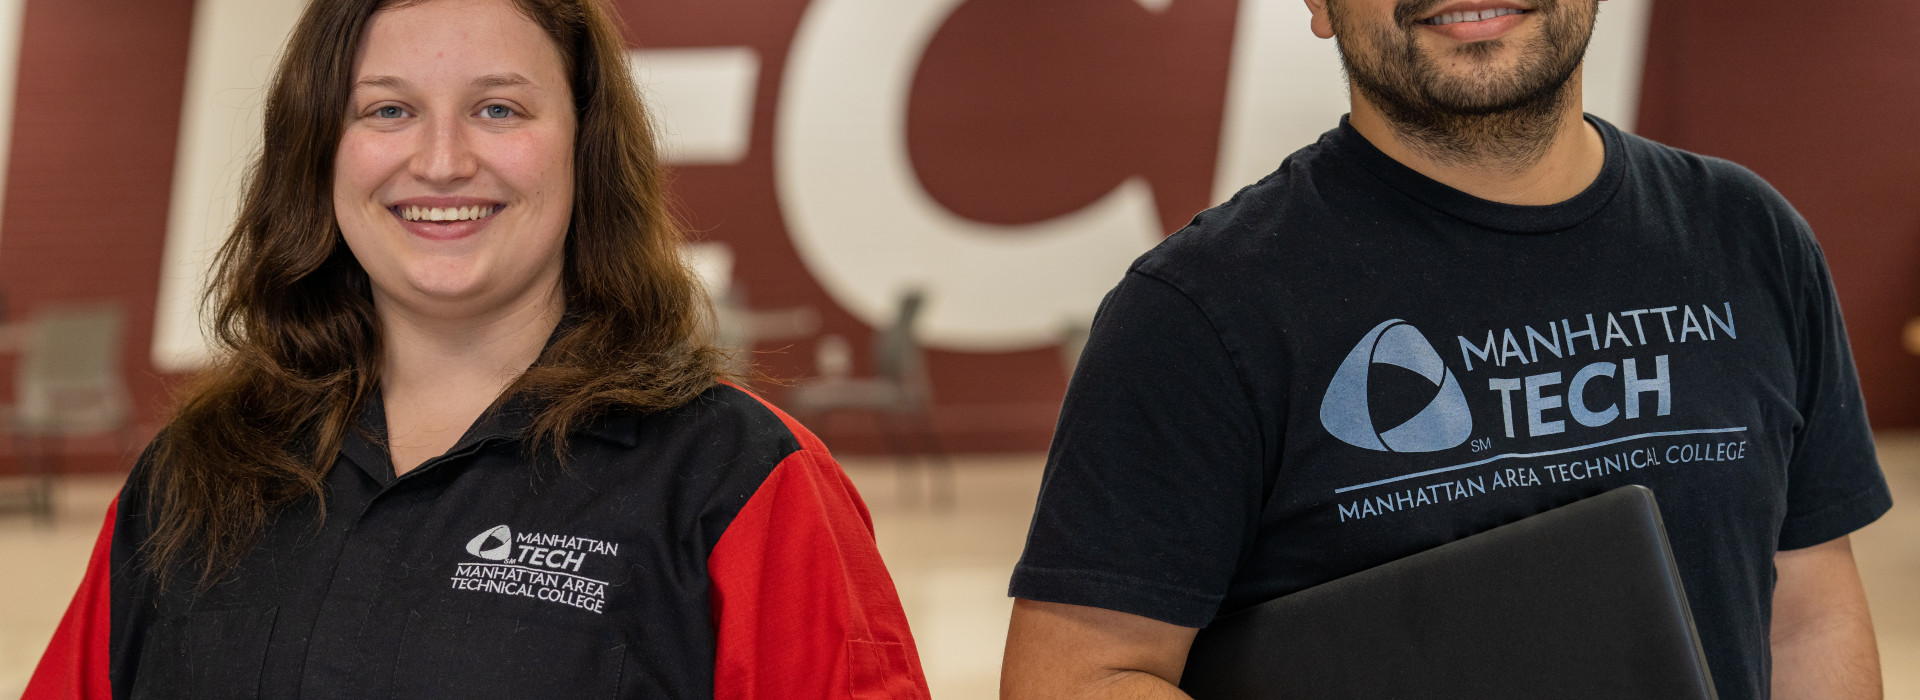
{"points": [[713, 550]]}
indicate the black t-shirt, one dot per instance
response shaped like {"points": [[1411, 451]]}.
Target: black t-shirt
{"points": [[1349, 362]]}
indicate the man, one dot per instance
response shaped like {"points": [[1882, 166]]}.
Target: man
{"points": [[1465, 305]]}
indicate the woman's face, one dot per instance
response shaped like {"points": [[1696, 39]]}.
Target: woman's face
{"points": [[453, 184]]}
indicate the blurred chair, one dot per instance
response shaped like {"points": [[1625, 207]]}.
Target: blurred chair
{"points": [[737, 328], [899, 395], [67, 383]]}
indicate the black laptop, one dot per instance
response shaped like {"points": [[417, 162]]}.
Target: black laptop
{"points": [[1582, 601]]}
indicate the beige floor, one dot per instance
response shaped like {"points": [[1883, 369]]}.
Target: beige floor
{"points": [[1889, 556], [951, 566]]}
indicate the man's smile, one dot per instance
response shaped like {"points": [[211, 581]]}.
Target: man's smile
{"points": [[1475, 20], [1470, 16]]}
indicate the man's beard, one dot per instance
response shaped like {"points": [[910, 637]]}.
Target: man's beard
{"points": [[1504, 120]]}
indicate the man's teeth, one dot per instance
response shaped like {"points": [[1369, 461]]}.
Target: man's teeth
{"points": [[445, 213], [1470, 16]]}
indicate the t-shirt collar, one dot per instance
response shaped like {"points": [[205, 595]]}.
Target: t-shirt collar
{"points": [[1506, 218]]}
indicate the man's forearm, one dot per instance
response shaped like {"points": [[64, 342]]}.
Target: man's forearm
{"points": [[1057, 651], [1836, 659], [1822, 637], [1123, 685]]}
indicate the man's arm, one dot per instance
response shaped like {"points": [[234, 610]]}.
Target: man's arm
{"points": [[1822, 634], [1056, 650]]}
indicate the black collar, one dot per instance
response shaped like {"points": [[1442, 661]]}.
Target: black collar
{"points": [[1505, 218], [508, 422]]}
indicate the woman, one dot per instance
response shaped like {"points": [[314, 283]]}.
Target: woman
{"points": [[464, 440]]}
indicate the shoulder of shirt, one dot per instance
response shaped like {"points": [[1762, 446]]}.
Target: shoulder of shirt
{"points": [[744, 415], [725, 444], [1253, 225], [719, 448], [1726, 199], [725, 416], [1720, 179]]}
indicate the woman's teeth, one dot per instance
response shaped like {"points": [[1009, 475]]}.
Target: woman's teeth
{"points": [[447, 213], [1470, 16]]}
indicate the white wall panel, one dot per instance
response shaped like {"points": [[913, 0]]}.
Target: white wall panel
{"points": [[11, 14], [1614, 61], [1285, 89], [235, 45], [701, 100]]}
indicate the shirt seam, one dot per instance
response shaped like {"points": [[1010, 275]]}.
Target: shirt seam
{"points": [[1128, 586], [1603, 202], [1828, 510], [1274, 436], [1239, 372]]}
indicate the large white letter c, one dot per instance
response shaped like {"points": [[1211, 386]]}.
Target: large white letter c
{"points": [[866, 228]]}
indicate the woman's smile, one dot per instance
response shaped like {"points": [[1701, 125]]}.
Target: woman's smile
{"points": [[445, 218]]}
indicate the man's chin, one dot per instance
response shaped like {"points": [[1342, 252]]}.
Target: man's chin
{"points": [[1480, 58], [1482, 87]]}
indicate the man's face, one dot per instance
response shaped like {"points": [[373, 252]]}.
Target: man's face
{"points": [[1417, 58]]}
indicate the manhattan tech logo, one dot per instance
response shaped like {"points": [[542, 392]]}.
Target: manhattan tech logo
{"points": [[536, 565], [1349, 413], [494, 545]]}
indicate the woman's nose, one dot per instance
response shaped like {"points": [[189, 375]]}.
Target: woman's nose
{"points": [[445, 154]]}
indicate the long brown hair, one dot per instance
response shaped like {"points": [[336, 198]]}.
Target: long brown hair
{"points": [[293, 317]]}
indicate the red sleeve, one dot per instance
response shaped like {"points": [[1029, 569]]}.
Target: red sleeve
{"points": [[75, 665], [803, 606]]}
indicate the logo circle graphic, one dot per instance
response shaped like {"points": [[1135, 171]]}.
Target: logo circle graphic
{"points": [[495, 544], [1344, 412]]}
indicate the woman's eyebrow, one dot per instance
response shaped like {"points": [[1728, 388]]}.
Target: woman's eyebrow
{"points": [[486, 81], [380, 81], [501, 80]]}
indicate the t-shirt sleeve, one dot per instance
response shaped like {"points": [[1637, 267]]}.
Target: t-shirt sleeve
{"points": [[1834, 482], [802, 604], [76, 662], [1152, 489]]}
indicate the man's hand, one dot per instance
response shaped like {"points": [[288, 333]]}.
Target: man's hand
{"points": [[1071, 651], [1822, 634]]}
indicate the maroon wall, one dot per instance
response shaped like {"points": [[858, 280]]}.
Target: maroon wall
{"points": [[1826, 106], [1020, 111], [96, 115]]}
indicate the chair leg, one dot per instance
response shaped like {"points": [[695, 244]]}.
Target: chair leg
{"points": [[41, 499], [909, 483], [940, 470], [39, 472]]}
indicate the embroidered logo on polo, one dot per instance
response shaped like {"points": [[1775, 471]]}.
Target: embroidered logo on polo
{"points": [[535, 565], [494, 545], [1346, 413]]}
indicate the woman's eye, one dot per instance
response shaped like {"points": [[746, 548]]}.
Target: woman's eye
{"points": [[389, 112], [496, 111]]}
